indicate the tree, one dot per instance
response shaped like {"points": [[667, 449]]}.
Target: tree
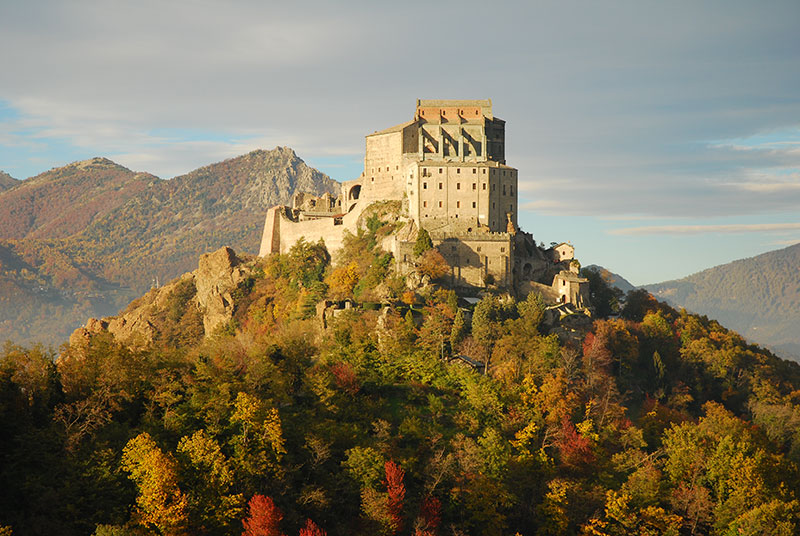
{"points": [[433, 264], [396, 493], [264, 518], [423, 243], [210, 479], [459, 331], [259, 445], [312, 529], [342, 281], [160, 503]]}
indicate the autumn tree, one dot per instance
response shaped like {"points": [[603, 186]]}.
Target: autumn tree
{"points": [[433, 264], [312, 529], [263, 518], [259, 443], [342, 281], [396, 493], [209, 479], [160, 504]]}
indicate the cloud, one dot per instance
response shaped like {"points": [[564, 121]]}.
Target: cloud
{"points": [[706, 229]]}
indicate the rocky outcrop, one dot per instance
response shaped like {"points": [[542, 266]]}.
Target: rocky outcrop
{"points": [[211, 288], [218, 274]]}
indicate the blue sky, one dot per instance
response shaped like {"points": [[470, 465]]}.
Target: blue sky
{"points": [[659, 138]]}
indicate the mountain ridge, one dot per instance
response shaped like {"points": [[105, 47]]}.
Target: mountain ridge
{"points": [[758, 296], [61, 265]]}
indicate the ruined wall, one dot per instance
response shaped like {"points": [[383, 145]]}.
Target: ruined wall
{"points": [[281, 232]]}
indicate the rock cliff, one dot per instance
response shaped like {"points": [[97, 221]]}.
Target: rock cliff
{"points": [[206, 293]]}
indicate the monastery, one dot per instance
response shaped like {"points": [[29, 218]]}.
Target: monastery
{"points": [[447, 168]]}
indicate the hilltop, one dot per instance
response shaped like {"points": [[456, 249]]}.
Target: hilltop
{"points": [[757, 296], [83, 240], [7, 181], [64, 201], [250, 391]]}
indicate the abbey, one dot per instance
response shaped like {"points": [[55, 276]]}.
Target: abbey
{"points": [[447, 168]]}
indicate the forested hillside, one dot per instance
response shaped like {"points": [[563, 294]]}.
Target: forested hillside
{"points": [[85, 239], [759, 297], [656, 422]]}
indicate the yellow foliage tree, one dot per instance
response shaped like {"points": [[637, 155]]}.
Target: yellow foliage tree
{"points": [[342, 281], [259, 445], [160, 503]]}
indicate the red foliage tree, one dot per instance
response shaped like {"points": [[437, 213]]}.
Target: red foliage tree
{"points": [[312, 529], [575, 449], [431, 513], [345, 377], [396, 491], [264, 518]]}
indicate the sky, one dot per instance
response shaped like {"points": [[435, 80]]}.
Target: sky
{"points": [[660, 138]]}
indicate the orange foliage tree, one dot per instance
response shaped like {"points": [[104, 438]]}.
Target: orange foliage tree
{"points": [[264, 518]]}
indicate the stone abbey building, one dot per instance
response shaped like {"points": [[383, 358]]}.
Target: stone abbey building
{"points": [[447, 167]]}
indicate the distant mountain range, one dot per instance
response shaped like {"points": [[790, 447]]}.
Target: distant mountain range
{"points": [[84, 239], [759, 297]]}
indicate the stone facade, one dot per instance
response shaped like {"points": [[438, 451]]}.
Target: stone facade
{"points": [[447, 166]]}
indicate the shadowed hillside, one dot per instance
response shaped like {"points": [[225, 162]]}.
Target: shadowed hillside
{"points": [[759, 297], [84, 239]]}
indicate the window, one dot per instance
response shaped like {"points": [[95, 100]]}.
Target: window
{"points": [[494, 187], [512, 190], [484, 171], [424, 185], [504, 189], [474, 186], [458, 204], [424, 204], [440, 185], [440, 170], [458, 171], [511, 208], [484, 185], [492, 204], [473, 204], [458, 186], [474, 171], [440, 204], [479, 249], [502, 250]]}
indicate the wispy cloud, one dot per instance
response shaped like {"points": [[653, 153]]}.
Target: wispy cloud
{"points": [[706, 229]]}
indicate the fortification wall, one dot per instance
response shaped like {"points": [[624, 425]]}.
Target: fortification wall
{"points": [[281, 233]]}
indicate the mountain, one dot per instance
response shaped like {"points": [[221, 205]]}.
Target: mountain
{"points": [[64, 201], [615, 280], [7, 181], [758, 296], [83, 240]]}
